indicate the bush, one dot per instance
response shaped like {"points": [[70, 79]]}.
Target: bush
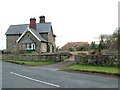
{"points": [[5, 52], [82, 48], [71, 49]]}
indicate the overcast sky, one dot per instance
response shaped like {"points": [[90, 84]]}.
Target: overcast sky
{"points": [[72, 20]]}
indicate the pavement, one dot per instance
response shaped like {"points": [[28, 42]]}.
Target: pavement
{"points": [[18, 76]]}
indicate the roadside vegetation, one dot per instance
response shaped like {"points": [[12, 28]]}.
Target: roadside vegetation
{"points": [[30, 63], [93, 69]]}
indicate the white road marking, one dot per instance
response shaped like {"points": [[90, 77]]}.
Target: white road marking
{"points": [[35, 79]]}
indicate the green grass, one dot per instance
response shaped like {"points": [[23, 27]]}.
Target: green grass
{"points": [[30, 63], [94, 69]]}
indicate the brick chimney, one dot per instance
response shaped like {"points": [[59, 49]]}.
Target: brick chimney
{"points": [[32, 23], [42, 19]]}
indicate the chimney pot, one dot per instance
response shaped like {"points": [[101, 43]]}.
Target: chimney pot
{"points": [[42, 19]]}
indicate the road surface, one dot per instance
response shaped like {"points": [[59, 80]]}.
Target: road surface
{"points": [[18, 76]]}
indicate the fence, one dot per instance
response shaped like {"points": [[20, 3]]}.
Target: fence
{"points": [[98, 60], [45, 57]]}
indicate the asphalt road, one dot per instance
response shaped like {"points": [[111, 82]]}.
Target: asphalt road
{"points": [[17, 76]]}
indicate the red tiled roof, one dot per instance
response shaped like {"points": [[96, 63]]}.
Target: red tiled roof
{"points": [[74, 44]]}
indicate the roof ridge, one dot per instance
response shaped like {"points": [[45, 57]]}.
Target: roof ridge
{"points": [[44, 23], [19, 24], [28, 24]]}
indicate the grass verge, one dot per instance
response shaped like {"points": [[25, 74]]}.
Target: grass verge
{"points": [[30, 63], [93, 69]]}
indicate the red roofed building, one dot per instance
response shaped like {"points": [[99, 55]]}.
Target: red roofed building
{"points": [[74, 44]]}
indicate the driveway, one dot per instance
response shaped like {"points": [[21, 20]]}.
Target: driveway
{"points": [[59, 65]]}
